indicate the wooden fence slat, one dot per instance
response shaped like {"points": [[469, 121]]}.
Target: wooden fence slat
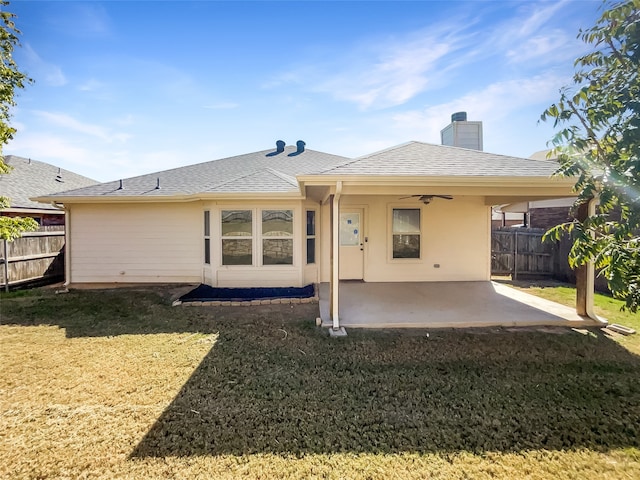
{"points": [[519, 251], [35, 256]]}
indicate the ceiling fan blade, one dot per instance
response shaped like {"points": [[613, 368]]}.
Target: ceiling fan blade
{"points": [[446, 197], [409, 196]]}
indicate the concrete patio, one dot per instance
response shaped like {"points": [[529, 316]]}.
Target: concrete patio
{"points": [[444, 305]]}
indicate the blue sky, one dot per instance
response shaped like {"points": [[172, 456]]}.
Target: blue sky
{"points": [[124, 88]]}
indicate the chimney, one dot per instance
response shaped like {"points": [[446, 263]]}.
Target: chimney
{"points": [[300, 146], [280, 146], [462, 133]]}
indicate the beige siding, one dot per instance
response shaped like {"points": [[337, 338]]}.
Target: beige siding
{"points": [[136, 243], [165, 243], [324, 244], [455, 236]]}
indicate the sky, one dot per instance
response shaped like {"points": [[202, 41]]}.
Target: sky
{"points": [[124, 88]]}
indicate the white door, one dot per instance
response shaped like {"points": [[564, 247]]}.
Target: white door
{"points": [[351, 244]]}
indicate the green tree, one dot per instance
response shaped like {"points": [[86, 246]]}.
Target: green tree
{"points": [[11, 79], [598, 142]]}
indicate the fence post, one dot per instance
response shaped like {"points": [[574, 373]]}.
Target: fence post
{"points": [[515, 256], [6, 265]]}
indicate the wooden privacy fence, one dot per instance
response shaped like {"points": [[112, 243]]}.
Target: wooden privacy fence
{"points": [[520, 252], [34, 257]]}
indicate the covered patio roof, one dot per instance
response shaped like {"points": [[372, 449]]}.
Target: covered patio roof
{"points": [[444, 305]]}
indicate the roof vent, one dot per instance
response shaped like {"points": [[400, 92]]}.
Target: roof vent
{"points": [[300, 146], [459, 117], [280, 146]]}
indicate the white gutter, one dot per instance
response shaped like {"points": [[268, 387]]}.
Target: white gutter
{"points": [[170, 198]]}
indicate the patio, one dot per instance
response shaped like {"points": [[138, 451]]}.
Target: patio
{"points": [[444, 305]]}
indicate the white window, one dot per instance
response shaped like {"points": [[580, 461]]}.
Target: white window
{"points": [[207, 237], [277, 237], [311, 236], [406, 233], [237, 237]]}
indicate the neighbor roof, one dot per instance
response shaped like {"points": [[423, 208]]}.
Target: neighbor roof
{"points": [[425, 159], [31, 178], [267, 171]]}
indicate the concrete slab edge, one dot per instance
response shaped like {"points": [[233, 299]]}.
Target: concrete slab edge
{"points": [[560, 323]]}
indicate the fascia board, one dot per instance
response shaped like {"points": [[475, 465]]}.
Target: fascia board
{"points": [[169, 198], [456, 180]]}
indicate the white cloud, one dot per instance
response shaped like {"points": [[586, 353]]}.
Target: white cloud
{"points": [[68, 122], [539, 15], [530, 36], [392, 71], [90, 159], [49, 148], [400, 73], [384, 72], [492, 104], [41, 70]]}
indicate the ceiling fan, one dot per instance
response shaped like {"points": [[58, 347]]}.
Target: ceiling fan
{"points": [[426, 199]]}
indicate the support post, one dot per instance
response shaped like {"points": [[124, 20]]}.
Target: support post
{"points": [[335, 257], [585, 274]]}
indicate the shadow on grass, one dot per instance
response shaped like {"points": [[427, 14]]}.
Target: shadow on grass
{"points": [[112, 312], [273, 383], [261, 390]]}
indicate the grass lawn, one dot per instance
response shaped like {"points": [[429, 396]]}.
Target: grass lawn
{"points": [[119, 384], [604, 306]]}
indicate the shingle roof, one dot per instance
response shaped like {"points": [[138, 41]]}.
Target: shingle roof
{"points": [[268, 171], [260, 172], [31, 178], [425, 159]]}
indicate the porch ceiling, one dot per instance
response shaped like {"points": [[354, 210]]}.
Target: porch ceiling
{"points": [[444, 305]]}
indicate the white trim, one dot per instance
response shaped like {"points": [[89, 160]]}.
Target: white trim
{"points": [[335, 280], [403, 206]]}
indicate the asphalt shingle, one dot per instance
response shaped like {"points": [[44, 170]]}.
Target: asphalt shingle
{"points": [[425, 159], [31, 178], [264, 171]]}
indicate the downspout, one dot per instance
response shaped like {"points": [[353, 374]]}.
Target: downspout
{"points": [[335, 277], [67, 246]]}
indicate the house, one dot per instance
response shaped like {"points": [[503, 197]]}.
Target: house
{"points": [[535, 214], [291, 216], [30, 178]]}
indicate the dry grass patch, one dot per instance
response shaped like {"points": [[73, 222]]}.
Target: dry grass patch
{"points": [[121, 385]]}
